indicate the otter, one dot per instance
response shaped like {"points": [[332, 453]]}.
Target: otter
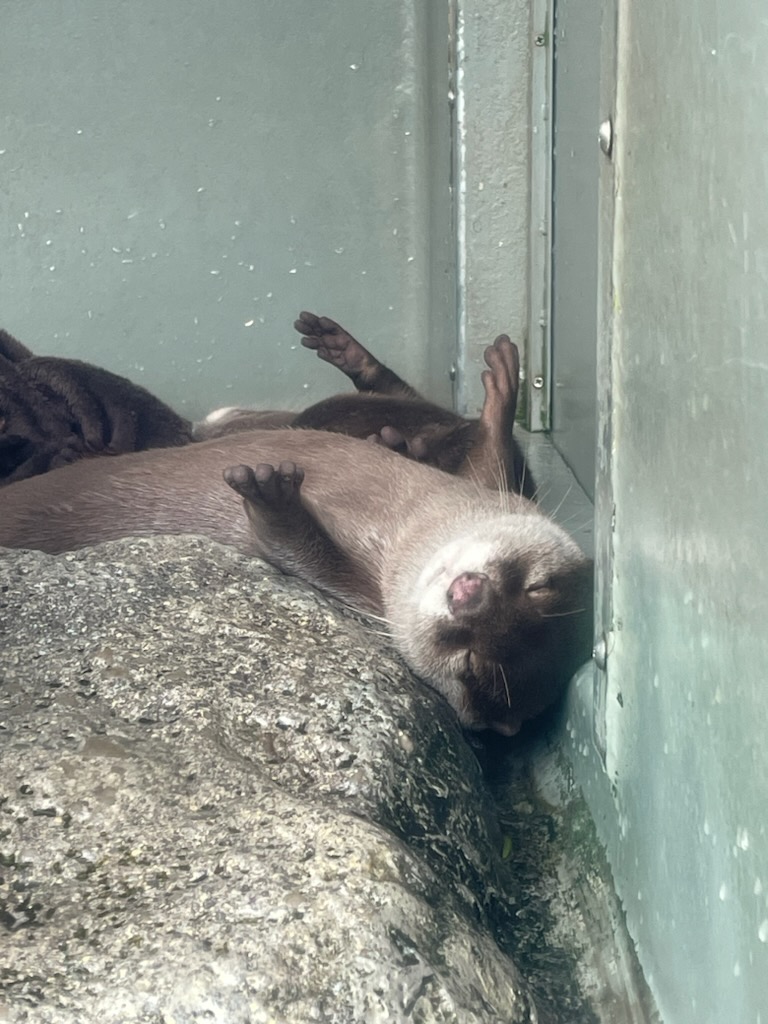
{"points": [[54, 411], [388, 410], [486, 598]]}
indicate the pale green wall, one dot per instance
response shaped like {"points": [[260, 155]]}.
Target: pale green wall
{"points": [[683, 804], [179, 179]]}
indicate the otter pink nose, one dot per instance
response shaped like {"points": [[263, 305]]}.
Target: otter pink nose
{"points": [[466, 591]]}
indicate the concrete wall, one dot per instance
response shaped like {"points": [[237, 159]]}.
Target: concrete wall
{"points": [[180, 179], [492, 168], [683, 802]]}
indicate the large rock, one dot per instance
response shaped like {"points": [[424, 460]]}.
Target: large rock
{"points": [[223, 798]]}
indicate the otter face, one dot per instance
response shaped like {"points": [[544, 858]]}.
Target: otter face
{"points": [[503, 625]]}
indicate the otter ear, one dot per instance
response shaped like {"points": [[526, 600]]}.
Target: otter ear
{"points": [[509, 728]]}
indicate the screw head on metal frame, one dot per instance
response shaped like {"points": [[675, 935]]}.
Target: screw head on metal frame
{"points": [[605, 136]]}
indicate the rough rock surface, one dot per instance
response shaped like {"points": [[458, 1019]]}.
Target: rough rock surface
{"points": [[224, 799]]}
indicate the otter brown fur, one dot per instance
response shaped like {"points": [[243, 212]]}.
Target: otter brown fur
{"points": [[486, 598], [54, 411], [388, 409]]}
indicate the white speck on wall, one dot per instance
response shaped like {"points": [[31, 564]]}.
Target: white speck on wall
{"points": [[742, 839], [723, 893], [762, 931]]}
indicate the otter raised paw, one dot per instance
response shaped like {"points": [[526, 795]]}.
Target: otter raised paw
{"points": [[287, 533], [335, 345], [494, 459]]}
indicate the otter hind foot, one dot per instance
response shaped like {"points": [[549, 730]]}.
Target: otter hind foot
{"points": [[333, 344], [501, 383]]}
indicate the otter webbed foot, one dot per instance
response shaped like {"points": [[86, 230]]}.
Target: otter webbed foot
{"points": [[415, 448], [501, 384], [336, 346], [494, 459]]}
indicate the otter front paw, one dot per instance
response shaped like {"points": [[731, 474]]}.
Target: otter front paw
{"points": [[266, 486]]}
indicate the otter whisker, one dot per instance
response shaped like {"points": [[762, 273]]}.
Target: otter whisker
{"points": [[506, 684], [562, 500], [562, 615], [522, 476], [574, 515], [502, 483], [541, 492]]}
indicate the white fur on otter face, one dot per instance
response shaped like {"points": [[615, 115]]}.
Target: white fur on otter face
{"points": [[527, 546]]}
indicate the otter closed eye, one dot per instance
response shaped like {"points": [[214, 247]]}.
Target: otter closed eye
{"points": [[540, 587]]}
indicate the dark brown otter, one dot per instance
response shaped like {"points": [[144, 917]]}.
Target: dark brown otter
{"points": [[387, 409], [486, 598], [54, 411]]}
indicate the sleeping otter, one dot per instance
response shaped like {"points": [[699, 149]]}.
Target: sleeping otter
{"points": [[487, 599], [392, 412], [55, 411]]}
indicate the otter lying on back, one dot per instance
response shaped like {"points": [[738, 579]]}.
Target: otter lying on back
{"points": [[487, 599], [395, 414]]}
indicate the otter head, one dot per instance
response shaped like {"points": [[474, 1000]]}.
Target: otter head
{"points": [[501, 619]]}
